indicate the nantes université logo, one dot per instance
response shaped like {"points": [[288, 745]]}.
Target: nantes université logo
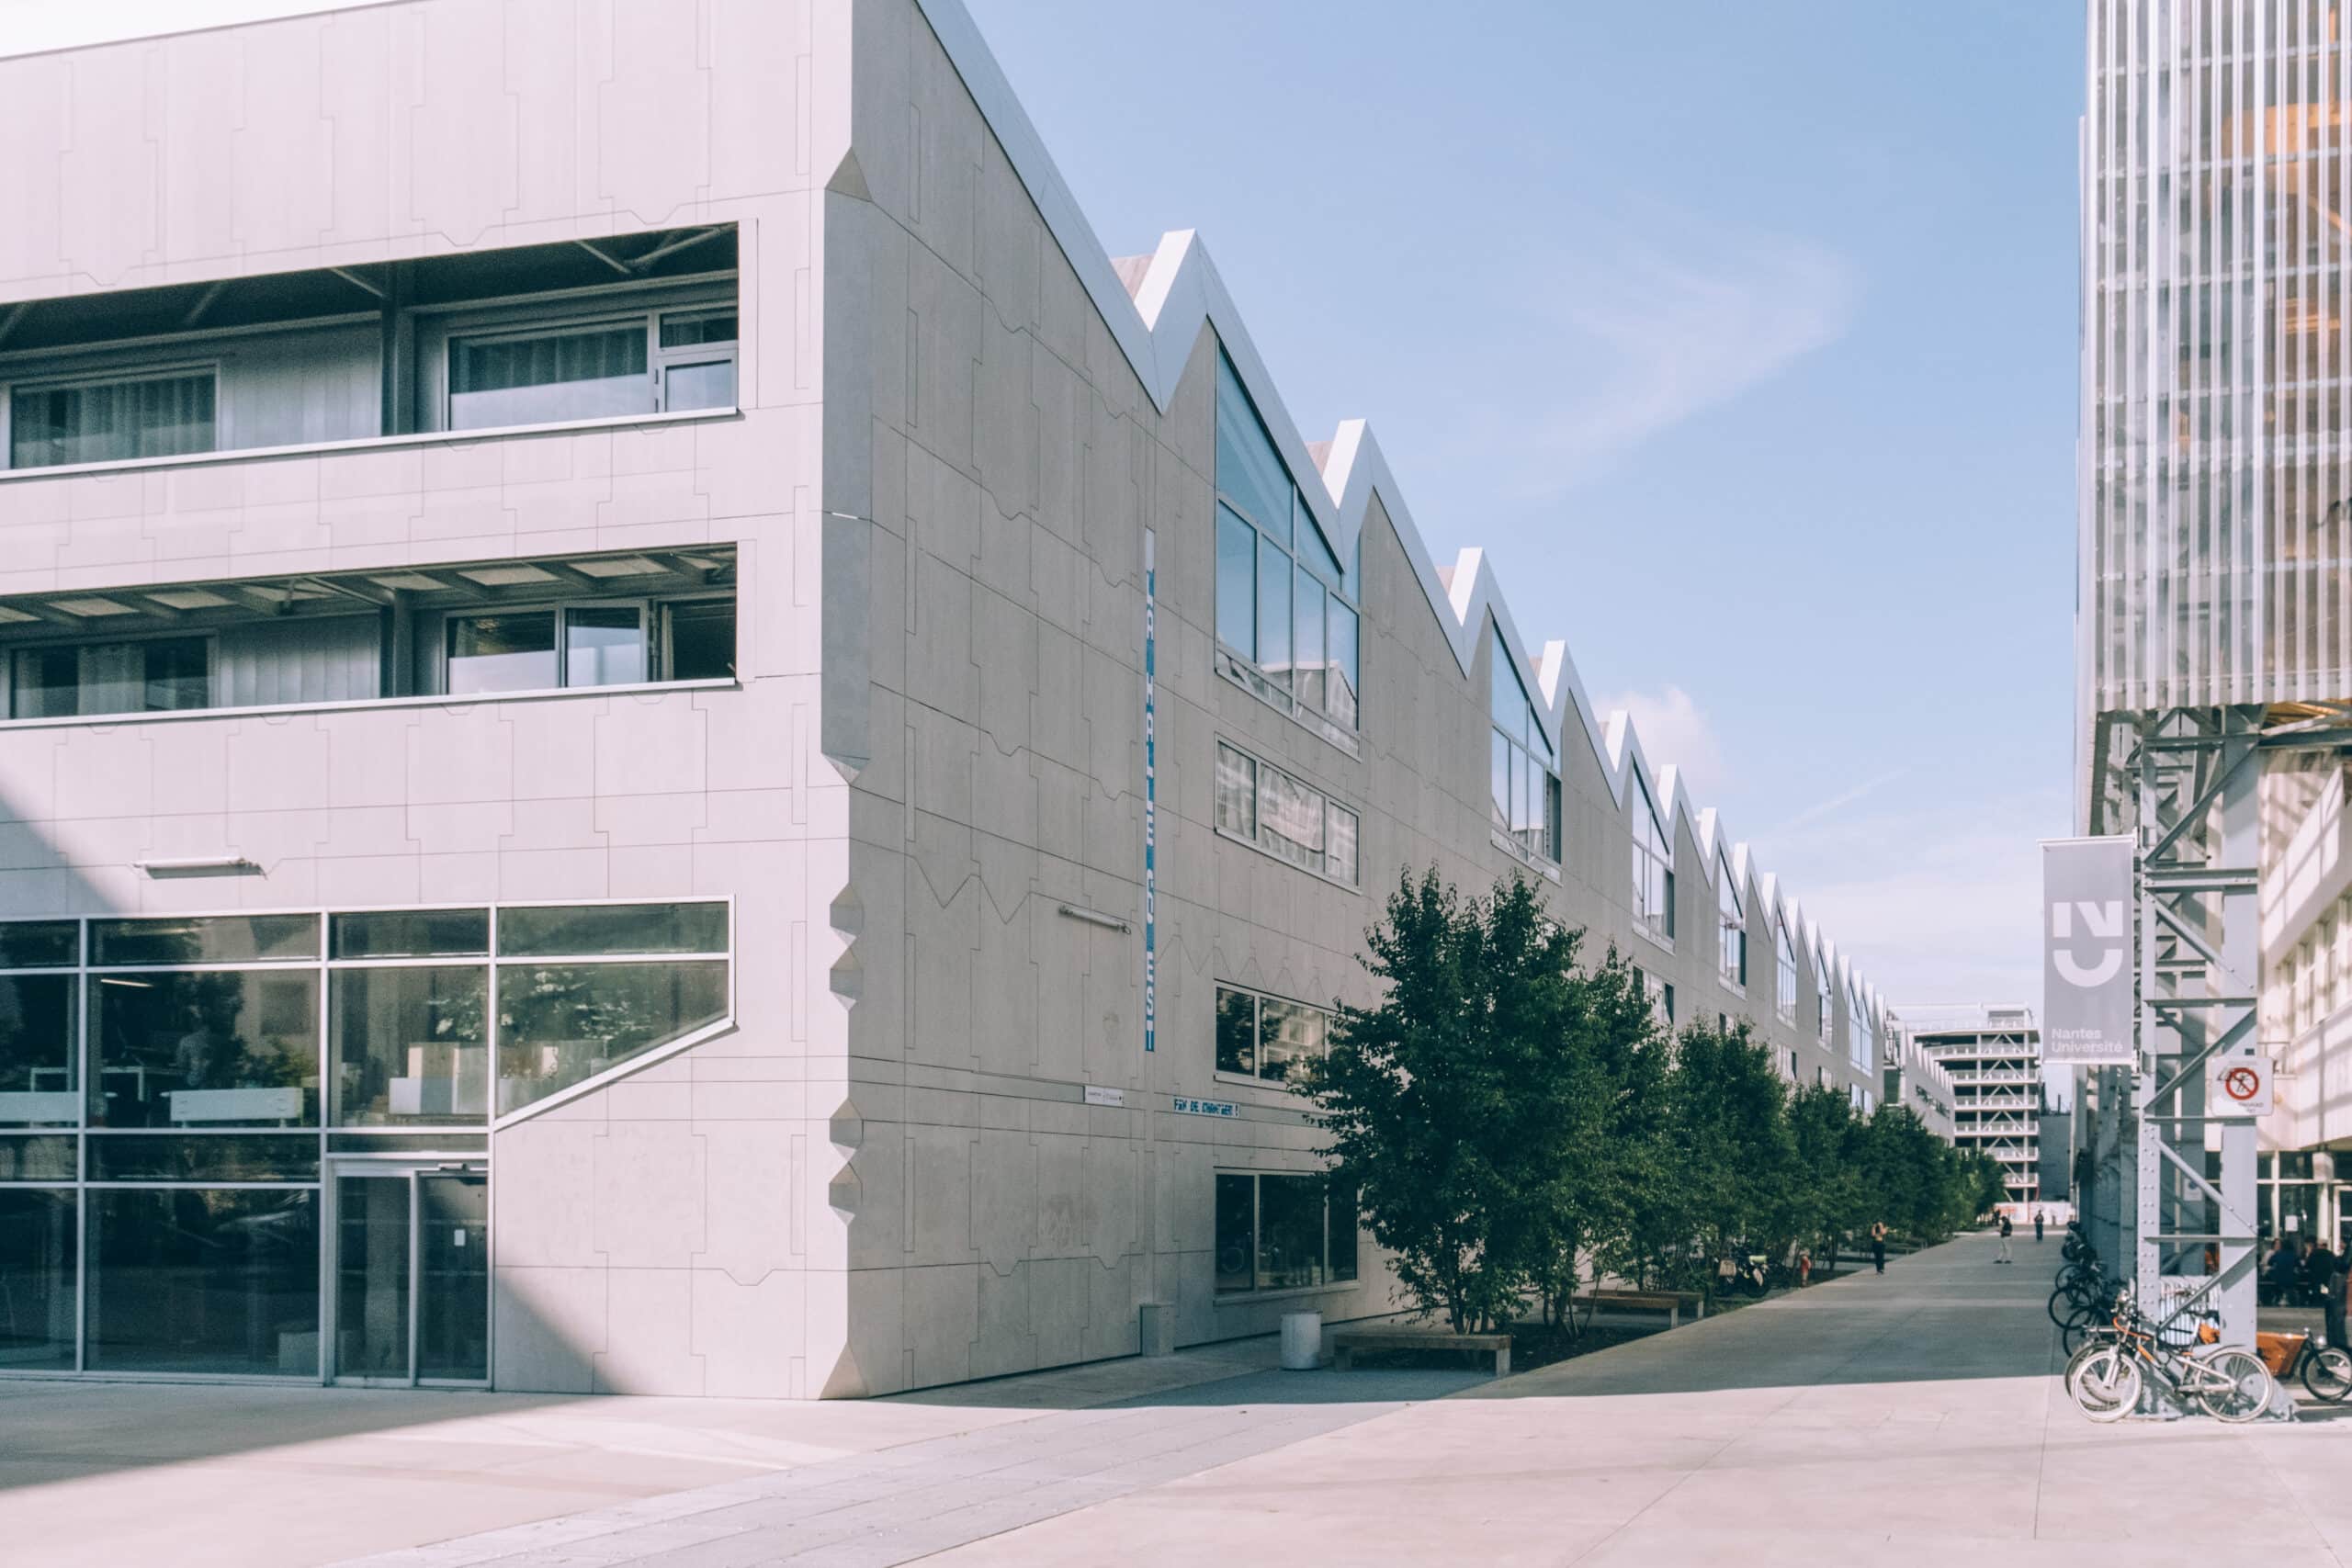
{"points": [[2103, 922]]}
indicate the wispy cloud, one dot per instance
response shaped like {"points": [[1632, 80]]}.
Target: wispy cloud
{"points": [[1838, 802], [1675, 730], [1649, 329]]}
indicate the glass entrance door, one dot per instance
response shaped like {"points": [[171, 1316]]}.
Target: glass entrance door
{"points": [[411, 1274]]}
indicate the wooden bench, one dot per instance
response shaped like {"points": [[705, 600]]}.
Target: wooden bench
{"points": [[1668, 1301], [1346, 1342], [1693, 1301]]}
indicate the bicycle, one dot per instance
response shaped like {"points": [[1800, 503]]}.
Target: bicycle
{"points": [[2106, 1378], [2325, 1370]]}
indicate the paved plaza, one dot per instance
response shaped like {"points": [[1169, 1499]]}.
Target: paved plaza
{"points": [[1913, 1418]]}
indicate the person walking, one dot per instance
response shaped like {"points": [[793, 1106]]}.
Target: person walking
{"points": [[1878, 1245], [2005, 1228], [2037, 1227], [1804, 1268]]}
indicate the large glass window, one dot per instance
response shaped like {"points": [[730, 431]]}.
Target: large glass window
{"points": [[1826, 1013], [1861, 1037], [1525, 779], [1785, 1001], [1280, 1232], [1285, 817], [647, 362], [144, 676], [107, 422], [40, 1057], [1267, 1037], [1283, 603], [1653, 867], [562, 1022], [1731, 925], [204, 1280], [213, 1048], [411, 1045], [37, 1279]]}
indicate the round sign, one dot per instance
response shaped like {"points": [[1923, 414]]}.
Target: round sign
{"points": [[2242, 1084]]}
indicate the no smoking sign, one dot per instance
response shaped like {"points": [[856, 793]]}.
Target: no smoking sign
{"points": [[2237, 1085]]}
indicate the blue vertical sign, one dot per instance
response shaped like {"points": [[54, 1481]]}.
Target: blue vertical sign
{"points": [[1151, 798]]}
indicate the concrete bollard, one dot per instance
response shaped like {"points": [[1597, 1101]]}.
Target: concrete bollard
{"points": [[1302, 1341], [1156, 1328]]}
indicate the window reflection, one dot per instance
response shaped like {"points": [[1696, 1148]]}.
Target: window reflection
{"points": [[411, 1046], [563, 1024], [204, 1280], [227, 1048]]}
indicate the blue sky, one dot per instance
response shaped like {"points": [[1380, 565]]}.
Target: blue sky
{"points": [[1743, 338]]}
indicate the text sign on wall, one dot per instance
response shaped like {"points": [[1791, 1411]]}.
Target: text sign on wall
{"points": [[2088, 1016], [1189, 1107]]}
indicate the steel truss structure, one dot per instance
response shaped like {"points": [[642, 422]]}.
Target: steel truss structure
{"points": [[2167, 1183]]}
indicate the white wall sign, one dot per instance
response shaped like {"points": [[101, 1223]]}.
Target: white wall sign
{"points": [[1098, 1095]]}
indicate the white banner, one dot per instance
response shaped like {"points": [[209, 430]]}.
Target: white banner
{"points": [[2087, 1015]]}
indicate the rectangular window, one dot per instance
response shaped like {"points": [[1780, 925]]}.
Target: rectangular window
{"points": [[411, 1045], [204, 1280], [1731, 926], [547, 376], [1785, 1002], [1281, 1231], [1283, 603], [1821, 996], [1653, 867], [107, 422], [37, 1279], [647, 362], [149, 675], [1266, 1037], [522, 650], [1288, 819], [40, 1057], [206, 1049], [1237, 584], [701, 639], [1524, 778]]}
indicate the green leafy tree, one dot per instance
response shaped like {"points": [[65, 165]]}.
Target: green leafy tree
{"points": [[1436, 1100], [1727, 1111]]}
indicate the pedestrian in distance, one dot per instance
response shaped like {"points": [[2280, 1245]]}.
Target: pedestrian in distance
{"points": [[2038, 1218], [2005, 1228], [1804, 1268], [1878, 1245]]}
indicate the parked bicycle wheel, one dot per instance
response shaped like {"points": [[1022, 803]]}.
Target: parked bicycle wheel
{"points": [[2107, 1385], [2327, 1372], [2245, 1394]]}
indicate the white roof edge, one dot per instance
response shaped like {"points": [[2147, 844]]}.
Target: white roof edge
{"points": [[1156, 327]]}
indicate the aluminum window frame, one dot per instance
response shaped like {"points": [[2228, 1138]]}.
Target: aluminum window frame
{"points": [[1653, 868], [1259, 769], [1731, 928], [518, 318], [650, 620]]}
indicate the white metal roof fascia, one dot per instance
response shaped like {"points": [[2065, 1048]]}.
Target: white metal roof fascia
{"points": [[1180, 295]]}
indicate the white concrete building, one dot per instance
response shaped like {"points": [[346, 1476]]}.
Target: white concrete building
{"points": [[1915, 1078], [661, 736], [1991, 1058]]}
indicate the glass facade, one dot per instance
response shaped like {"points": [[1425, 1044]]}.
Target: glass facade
{"points": [[1290, 820], [2216, 537], [1265, 1037], [244, 1085], [1731, 926]]}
